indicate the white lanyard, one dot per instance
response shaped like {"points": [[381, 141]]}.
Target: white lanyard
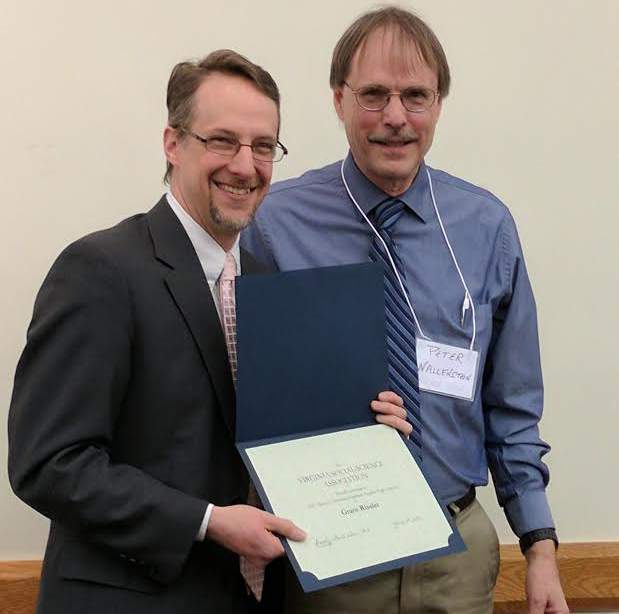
{"points": [[468, 301]]}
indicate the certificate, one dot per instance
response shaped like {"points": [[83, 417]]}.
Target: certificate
{"points": [[312, 355], [360, 497]]}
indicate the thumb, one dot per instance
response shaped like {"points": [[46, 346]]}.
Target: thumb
{"points": [[285, 528]]}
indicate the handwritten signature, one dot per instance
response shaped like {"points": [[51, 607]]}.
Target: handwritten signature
{"points": [[327, 542], [408, 520]]}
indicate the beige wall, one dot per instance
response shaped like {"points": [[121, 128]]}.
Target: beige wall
{"points": [[532, 116]]}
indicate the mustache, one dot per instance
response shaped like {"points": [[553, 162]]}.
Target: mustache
{"points": [[241, 185], [402, 138]]}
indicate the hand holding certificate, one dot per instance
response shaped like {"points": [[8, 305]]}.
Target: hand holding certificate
{"points": [[311, 357], [358, 494]]}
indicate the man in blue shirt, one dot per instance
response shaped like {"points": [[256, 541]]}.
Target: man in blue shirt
{"points": [[459, 261]]}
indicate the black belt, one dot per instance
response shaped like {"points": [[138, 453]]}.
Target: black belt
{"points": [[463, 502]]}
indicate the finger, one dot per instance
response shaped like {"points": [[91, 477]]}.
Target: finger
{"points": [[263, 559], [388, 408], [536, 605], [266, 548], [275, 548], [397, 423], [391, 397], [285, 528]]}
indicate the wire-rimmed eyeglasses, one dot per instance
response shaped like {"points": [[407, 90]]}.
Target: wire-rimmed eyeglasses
{"points": [[415, 99], [262, 151]]}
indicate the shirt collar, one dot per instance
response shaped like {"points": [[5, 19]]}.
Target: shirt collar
{"points": [[369, 195], [210, 254]]}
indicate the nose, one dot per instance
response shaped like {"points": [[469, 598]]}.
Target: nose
{"points": [[242, 163], [394, 114]]}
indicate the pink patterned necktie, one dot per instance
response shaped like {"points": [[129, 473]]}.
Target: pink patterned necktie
{"points": [[227, 309], [252, 574]]}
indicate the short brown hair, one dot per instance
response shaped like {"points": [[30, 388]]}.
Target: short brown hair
{"points": [[410, 29], [186, 78]]}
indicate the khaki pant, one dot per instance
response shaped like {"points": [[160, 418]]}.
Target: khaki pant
{"points": [[456, 584]]}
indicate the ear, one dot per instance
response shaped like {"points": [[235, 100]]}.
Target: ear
{"points": [[338, 101], [171, 141], [439, 107]]}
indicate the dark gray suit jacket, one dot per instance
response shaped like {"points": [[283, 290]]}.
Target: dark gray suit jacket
{"points": [[121, 427]]}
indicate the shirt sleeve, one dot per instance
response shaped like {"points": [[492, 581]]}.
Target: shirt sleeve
{"points": [[204, 526], [512, 395]]}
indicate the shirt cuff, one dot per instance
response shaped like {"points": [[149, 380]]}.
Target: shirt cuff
{"points": [[528, 512], [202, 530]]}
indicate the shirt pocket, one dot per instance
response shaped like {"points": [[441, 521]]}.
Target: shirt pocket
{"points": [[452, 329]]}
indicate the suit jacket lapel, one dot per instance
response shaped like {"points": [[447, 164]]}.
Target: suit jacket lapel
{"points": [[188, 286]]}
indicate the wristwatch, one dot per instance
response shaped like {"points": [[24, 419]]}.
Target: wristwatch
{"points": [[528, 539]]}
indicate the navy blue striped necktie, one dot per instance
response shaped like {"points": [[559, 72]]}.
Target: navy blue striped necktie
{"points": [[400, 327]]}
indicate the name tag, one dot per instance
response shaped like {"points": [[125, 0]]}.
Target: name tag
{"points": [[446, 369]]}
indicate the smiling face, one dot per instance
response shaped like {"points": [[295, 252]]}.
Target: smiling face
{"points": [[388, 145], [222, 193]]}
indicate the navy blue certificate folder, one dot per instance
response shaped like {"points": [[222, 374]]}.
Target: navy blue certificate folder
{"points": [[311, 349]]}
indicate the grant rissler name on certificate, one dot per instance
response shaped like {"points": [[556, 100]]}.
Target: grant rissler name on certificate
{"points": [[359, 495]]}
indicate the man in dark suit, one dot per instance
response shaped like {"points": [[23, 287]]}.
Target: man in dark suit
{"points": [[121, 428], [122, 421]]}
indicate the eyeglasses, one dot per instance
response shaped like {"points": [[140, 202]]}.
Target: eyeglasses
{"points": [[415, 99], [262, 151]]}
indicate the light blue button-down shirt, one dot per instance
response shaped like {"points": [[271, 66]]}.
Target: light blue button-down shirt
{"points": [[311, 222]]}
